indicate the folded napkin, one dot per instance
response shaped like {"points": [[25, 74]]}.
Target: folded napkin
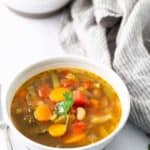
{"points": [[111, 32]]}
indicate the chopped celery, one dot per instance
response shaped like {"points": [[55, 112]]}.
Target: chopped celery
{"points": [[18, 111], [55, 80], [101, 119], [31, 91]]}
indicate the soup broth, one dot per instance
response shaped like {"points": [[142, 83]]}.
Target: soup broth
{"points": [[66, 107]]}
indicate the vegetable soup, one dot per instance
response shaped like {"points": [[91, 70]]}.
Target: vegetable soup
{"points": [[66, 107]]}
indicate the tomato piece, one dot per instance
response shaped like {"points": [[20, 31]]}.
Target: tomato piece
{"points": [[78, 127], [44, 90], [73, 110], [80, 99], [22, 94], [67, 83], [63, 73], [87, 84]]}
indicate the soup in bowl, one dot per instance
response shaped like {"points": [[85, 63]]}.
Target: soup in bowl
{"points": [[67, 102]]}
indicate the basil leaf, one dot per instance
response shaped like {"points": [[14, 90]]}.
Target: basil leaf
{"points": [[64, 107]]}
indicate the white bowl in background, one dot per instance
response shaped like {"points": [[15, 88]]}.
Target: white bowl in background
{"points": [[35, 6], [69, 61]]}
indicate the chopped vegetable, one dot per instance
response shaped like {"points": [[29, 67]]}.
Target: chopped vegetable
{"points": [[97, 85], [19, 111], [73, 110], [71, 76], [101, 119], [87, 84], [29, 119], [22, 94], [62, 72], [57, 130], [92, 138], [32, 101], [81, 113], [67, 83], [97, 93], [94, 103], [72, 117], [32, 98], [32, 91], [53, 117], [44, 91], [104, 102], [30, 110], [55, 80], [78, 127], [40, 103], [74, 138], [40, 130], [81, 88], [62, 108], [80, 99], [42, 113], [57, 94], [102, 131]]}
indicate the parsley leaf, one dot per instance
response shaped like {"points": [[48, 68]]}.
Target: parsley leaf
{"points": [[64, 107]]}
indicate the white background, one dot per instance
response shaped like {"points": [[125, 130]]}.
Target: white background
{"points": [[24, 41]]}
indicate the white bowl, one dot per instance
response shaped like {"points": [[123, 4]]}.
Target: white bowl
{"points": [[68, 61], [35, 6]]}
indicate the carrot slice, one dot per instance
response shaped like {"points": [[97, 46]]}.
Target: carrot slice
{"points": [[74, 139], [57, 94], [57, 130], [42, 113]]}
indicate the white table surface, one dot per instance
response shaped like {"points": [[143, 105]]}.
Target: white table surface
{"points": [[24, 41]]}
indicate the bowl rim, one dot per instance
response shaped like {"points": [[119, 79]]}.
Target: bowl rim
{"points": [[69, 57], [34, 7]]}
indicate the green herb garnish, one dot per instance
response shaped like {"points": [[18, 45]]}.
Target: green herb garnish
{"points": [[62, 108]]}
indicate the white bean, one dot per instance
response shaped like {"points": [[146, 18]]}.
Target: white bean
{"points": [[81, 113]]}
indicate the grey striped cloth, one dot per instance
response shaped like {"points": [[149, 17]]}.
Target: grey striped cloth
{"points": [[114, 32]]}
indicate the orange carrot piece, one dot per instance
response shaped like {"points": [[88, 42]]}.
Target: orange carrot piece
{"points": [[42, 113], [57, 94], [57, 130]]}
